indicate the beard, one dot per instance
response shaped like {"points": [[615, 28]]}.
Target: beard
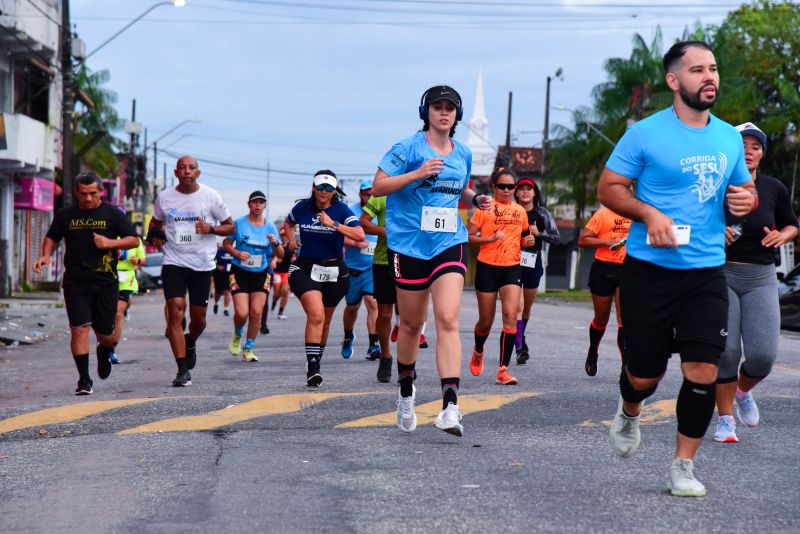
{"points": [[695, 100]]}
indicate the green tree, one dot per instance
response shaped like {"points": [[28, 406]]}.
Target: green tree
{"points": [[93, 139]]}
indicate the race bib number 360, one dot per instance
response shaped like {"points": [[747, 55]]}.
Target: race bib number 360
{"points": [[439, 219], [184, 237], [320, 273]]}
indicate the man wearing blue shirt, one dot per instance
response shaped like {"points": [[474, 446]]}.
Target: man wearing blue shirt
{"points": [[686, 164], [358, 258]]}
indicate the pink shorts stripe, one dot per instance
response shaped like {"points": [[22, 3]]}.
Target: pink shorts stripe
{"points": [[437, 269]]}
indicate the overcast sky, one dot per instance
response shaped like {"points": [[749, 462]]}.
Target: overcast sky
{"points": [[310, 84]]}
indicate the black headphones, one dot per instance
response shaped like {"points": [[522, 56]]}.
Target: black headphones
{"points": [[423, 107]]}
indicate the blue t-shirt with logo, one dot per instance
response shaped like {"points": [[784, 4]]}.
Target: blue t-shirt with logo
{"points": [[223, 258], [253, 239], [404, 208], [360, 259], [321, 242], [684, 173]]}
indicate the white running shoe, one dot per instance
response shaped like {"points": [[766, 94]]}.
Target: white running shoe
{"points": [[681, 479], [624, 435], [449, 420], [406, 417], [282, 316], [726, 430], [746, 409]]}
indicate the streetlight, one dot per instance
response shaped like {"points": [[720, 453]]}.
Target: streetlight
{"points": [[579, 117], [176, 3], [194, 120], [155, 149]]}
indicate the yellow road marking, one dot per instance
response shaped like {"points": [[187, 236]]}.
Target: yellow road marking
{"points": [[426, 413], [65, 414], [652, 414], [277, 404]]}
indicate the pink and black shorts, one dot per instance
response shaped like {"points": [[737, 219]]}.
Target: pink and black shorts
{"points": [[415, 274]]}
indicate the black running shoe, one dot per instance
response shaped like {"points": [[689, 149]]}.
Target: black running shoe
{"points": [[313, 378], [182, 379], [103, 362], [274, 303], [384, 370], [191, 352], [84, 387], [523, 354], [591, 364], [264, 329], [216, 308]]}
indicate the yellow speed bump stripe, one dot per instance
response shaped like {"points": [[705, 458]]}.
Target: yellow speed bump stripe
{"points": [[65, 414], [278, 404], [652, 414], [426, 413]]}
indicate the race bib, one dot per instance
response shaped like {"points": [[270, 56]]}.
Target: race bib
{"points": [[528, 259], [439, 219], [124, 276], [320, 273], [254, 262], [185, 236], [369, 251], [682, 234]]}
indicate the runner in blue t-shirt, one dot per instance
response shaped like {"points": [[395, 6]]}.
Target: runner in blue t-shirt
{"points": [[253, 244], [319, 278], [686, 164], [358, 258], [424, 177], [222, 286]]}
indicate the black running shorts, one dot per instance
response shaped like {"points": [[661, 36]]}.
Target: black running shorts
{"points": [[301, 281], [531, 276], [178, 280], [415, 274], [604, 278], [383, 284], [125, 295], [490, 278], [221, 280], [664, 310], [244, 281], [94, 305]]}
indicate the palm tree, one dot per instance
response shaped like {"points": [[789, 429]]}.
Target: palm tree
{"points": [[93, 142]]}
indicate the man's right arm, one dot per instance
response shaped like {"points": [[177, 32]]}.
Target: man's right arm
{"points": [[613, 191], [370, 227], [48, 247]]}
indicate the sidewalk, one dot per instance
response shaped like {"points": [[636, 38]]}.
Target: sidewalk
{"points": [[31, 317]]}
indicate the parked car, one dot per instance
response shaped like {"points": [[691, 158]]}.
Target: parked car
{"points": [[789, 298], [150, 272]]}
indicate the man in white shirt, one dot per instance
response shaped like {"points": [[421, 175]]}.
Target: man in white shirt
{"points": [[186, 220]]}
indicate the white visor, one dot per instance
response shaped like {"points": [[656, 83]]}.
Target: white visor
{"points": [[326, 179]]}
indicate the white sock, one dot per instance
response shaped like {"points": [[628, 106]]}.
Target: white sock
{"points": [[423, 327]]}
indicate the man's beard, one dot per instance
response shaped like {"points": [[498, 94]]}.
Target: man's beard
{"points": [[694, 101]]}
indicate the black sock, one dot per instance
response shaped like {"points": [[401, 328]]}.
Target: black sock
{"points": [[82, 363], [480, 341], [280, 311], [183, 364], [348, 334], [405, 377], [621, 344], [264, 316], [114, 346], [507, 338], [373, 339], [321, 351], [595, 335], [450, 389], [190, 341], [313, 352]]}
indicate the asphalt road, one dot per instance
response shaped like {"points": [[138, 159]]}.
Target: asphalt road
{"points": [[248, 448]]}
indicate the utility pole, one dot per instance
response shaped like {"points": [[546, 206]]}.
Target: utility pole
{"points": [[269, 200], [546, 133], [165, 176], [67, 104], [508, 131], [155, 169]]}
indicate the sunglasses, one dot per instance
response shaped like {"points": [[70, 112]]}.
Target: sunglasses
{"points": [[507, 187], [328, 188]]}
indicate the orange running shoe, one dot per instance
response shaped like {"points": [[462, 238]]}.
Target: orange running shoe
{"points": [[476, 363], [504, 378]]}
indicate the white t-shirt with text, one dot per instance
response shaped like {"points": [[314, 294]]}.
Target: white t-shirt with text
{"points": [[179, 212]]}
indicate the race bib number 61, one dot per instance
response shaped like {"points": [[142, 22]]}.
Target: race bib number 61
{"points": [[439, 219]]}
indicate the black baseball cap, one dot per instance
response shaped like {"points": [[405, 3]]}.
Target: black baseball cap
{"points": [[257, 195], [442, 92]]}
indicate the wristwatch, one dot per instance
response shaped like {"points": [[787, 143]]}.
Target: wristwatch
{"points": [[475, 200], [335, 225]]}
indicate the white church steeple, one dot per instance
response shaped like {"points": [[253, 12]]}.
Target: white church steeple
{"points": [[483, 155]]}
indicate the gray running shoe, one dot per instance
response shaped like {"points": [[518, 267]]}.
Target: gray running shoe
{"points": [[726, 430], [406, 417], [746, 409], [182, 379], [681, 479], [624, 435], [84, 387], [449, 420]]}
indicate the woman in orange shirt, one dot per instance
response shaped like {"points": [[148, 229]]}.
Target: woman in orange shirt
{"points": [[606, 232], [498, 270]]}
